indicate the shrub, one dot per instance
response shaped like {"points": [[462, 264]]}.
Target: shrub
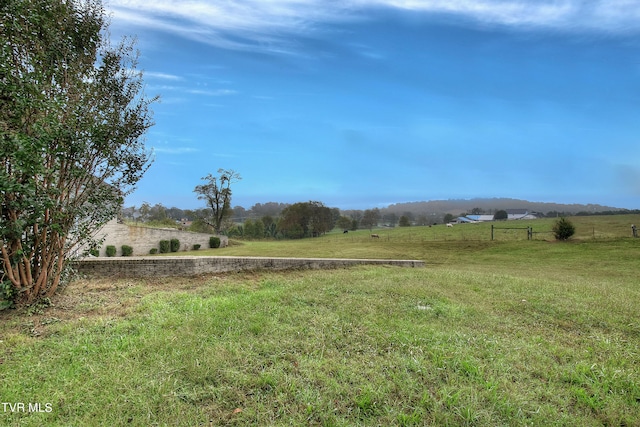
{"points": [[563, 229], [127, 250], [214, 242], [235, 231], [165, 246], [501, 215], [196, 246], [111, 250], [153, 251], [7, 295], [94, 252], [175, 245]]}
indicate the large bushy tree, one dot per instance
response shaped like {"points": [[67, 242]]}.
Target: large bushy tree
{"points": [[72, 119], [306, 219], [370, 218], [343, 222]]}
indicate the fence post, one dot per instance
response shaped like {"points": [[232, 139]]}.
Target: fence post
{"points": [[491, 231], [529, 233]]}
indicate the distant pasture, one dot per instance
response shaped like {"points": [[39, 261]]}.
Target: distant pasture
{"points": [[587, 228]]}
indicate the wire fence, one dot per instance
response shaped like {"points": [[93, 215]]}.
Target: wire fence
{"points": [[478, 232]]}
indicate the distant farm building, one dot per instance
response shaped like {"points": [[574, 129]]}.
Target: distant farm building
{"points": [[512, 214], [520, 214], [480, 218]]}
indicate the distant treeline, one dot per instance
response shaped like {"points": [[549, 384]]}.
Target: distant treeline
{"points": [[275, 219], [553, 214], [616, 212]]}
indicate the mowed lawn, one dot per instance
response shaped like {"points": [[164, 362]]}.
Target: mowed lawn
{"points": [[506, 332]]}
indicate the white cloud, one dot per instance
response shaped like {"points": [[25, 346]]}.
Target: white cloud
{"points": [[510, 12], [563, 15], [175, 150], [269, 24], [162, 76], [217, 92], [241, 25]]}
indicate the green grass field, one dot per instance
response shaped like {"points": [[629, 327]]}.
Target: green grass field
{"points": [[510, 332]]}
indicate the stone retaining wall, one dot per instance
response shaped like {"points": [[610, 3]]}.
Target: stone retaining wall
{"points": [[143, 239], [162, 266]]}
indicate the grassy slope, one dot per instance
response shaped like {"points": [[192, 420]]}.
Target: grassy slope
{"points": [[490, 333]]}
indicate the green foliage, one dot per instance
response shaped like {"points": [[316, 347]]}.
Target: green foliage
{"points": [[344, 223], [165, 246], [153, 251], [7, 292], [404, 221], [164, 223], [38, 308], [563, 229], [258, 230], [214, 242], [370, 218], [248, 228], [111, 250], [295, 231], [196, 246], [306, 219], [127, 250], [158, 213], [174, 245], [267, 221], [253, 229], [201, 226], [94, 252], [270, 226], [235, 231], [72, 117]]}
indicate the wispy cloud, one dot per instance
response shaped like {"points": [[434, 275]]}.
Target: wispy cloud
{"points": [[161, 76], [217, 92], [267, 25], [175, 150], [239, 25], [564, 15]]}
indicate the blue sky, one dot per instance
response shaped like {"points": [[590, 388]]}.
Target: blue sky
{"points": [[361, 104]]}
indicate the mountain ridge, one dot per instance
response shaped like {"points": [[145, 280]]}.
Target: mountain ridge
{"points": [[491, 205]]}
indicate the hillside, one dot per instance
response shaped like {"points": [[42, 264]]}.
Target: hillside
{"points": [[457, 206]]}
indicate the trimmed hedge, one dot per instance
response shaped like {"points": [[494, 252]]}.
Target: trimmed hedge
{"points": [[175, 245], [214, 242], [196, 246], [127, 250], [153, 251], [165, 246], [111, 250]]}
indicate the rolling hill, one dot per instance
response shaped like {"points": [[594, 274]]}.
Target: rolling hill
{"points": [[491, 205]]}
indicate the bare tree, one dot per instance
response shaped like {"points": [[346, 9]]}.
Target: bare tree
{"points": [[217, 194]]}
